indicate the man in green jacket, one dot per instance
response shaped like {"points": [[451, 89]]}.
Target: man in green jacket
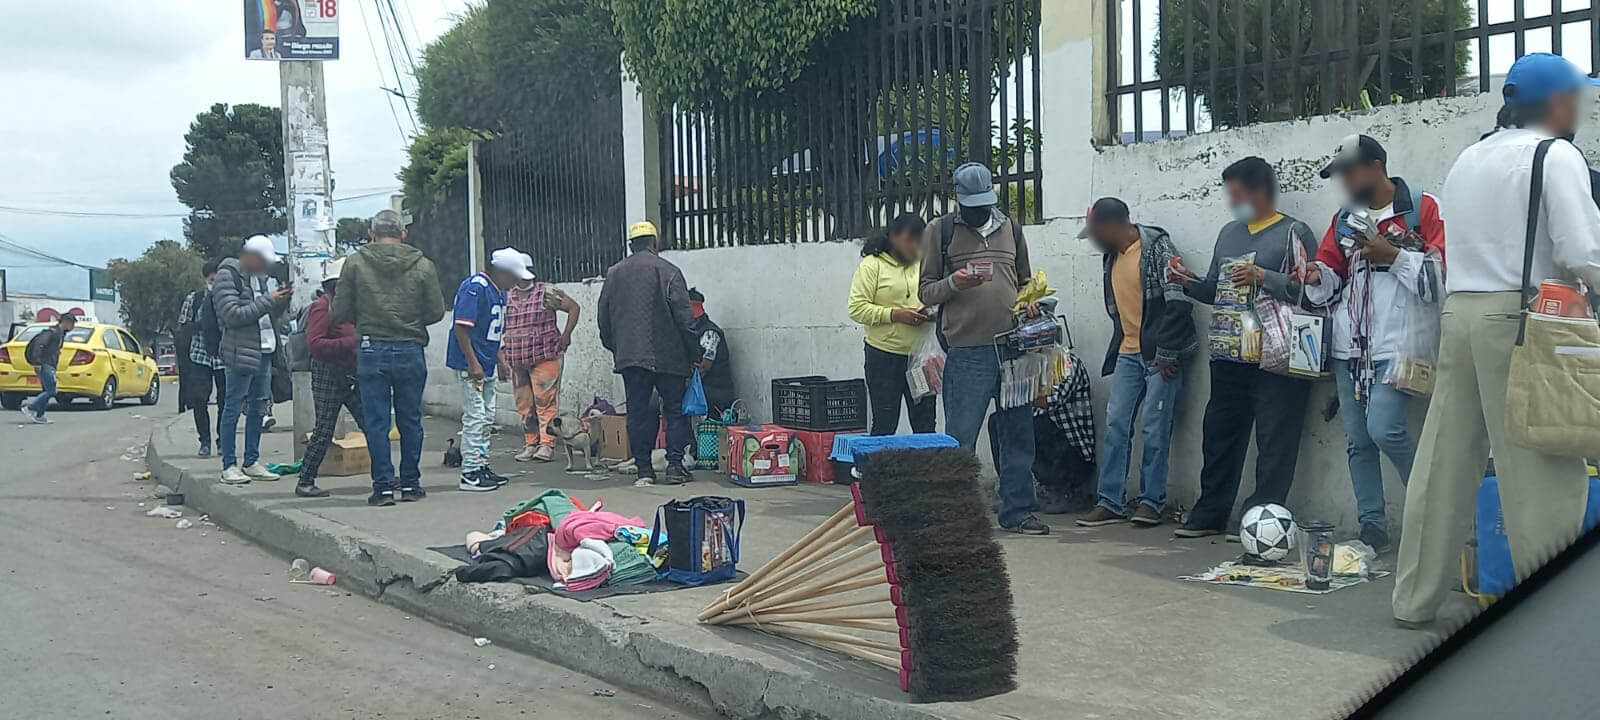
{"points": [[390, 291]]}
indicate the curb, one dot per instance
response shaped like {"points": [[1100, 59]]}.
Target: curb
{"points": [[670, 662]]}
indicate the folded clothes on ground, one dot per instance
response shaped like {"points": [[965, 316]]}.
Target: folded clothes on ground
{"points": [[516, 554]]}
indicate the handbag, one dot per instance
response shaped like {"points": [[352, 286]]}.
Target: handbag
{"points": [[1555, 364], [694, 397], [702, 539]]}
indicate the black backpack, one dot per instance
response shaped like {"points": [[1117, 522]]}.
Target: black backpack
{"points": [[35, 346], [210, 328]]}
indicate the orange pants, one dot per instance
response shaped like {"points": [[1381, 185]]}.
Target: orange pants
{"points": [[536, 390]]}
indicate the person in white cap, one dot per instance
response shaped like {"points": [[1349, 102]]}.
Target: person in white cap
{"points": [[333, 378], [244, 309], [532, 355], [479, 324]]}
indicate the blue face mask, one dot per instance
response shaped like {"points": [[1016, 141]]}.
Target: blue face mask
{"points": [[1243, 212]]}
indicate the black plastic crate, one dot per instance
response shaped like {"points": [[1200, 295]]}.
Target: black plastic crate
{"points": [[814, 402]]}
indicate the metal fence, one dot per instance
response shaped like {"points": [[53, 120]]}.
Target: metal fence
{"points": [[874, 129], [1185, 66], [437, 229], [559, 194]]}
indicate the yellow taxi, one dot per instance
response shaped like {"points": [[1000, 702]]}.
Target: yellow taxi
{"points": [[101, 362]]}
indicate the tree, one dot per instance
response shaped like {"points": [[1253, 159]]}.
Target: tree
{"points": [[437, 160], [231, 177], [692, 53], [1346, 80], [153, 286], [349, 234]]}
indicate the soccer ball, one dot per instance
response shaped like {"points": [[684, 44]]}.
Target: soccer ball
{"points": [[1267, 531]]}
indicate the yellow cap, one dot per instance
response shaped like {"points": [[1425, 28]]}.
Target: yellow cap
{"points": [[643, 228]]}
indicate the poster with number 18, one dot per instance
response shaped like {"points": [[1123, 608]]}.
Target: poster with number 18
{"points": [[291, 29]]}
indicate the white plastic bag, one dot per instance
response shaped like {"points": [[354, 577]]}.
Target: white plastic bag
{"points": [[925, 371], [1412, 368]]}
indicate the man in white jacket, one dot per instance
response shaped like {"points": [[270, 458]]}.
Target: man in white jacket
{"points": [[1380, 268], [1486, 197]]}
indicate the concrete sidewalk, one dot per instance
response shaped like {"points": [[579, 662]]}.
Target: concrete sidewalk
{"points": [[1106, 629]]}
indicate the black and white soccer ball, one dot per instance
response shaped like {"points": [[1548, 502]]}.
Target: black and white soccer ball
{"points": [[1267, 531]]}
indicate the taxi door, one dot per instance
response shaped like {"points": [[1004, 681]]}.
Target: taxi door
{"points": [[134, 377]]}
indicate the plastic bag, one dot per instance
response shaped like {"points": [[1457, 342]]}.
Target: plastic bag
{"points": [[1277, 320], [925, 371], [694, 397], [1230, 306], [1415, 361]]}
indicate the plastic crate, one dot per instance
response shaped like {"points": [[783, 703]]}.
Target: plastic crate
{"points": [[813, 402]]}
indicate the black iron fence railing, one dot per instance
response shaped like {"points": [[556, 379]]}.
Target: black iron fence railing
{"points": [[1177, 67], [875, 128]]}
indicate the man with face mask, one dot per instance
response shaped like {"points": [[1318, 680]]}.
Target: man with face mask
{"points": [[974, 262], [1381, 259], [1486, 197], [1152, 331], [1243, 395]]}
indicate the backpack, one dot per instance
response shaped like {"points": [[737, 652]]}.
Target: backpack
{"points": [[210, 328], [36, 346], [298, 347], [947, 233]]}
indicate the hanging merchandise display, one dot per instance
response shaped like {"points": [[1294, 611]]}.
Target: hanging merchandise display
{"points": [[1228, 311]]}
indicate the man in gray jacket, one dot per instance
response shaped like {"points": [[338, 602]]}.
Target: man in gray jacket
{"points": [[647, 323], [244, 312]]}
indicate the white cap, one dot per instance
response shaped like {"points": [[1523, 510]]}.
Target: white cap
{"points": [[261, 245], [334, 268], [510, 261], [527, 260]]}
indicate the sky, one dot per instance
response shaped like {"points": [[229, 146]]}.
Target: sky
{"points": [[99, 94]]}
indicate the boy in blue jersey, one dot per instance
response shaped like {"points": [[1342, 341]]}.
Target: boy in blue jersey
{"points": [[474, 343]]}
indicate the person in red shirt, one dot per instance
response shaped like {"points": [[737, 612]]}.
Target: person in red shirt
{"points": [[333, 379], [1380, 270]]}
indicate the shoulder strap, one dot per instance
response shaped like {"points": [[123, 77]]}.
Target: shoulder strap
{"points": [[1535, 195], [947, 233], [1413, 216]]}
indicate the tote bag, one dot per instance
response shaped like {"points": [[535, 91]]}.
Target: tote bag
{"points": [[1553, 392]]}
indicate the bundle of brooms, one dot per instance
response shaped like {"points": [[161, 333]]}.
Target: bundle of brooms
{"points": [[906, 576]]}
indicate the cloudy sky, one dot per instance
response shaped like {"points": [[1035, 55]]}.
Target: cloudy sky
{"points": [[100, 92]]}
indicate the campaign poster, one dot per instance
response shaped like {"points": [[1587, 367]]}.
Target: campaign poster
{"points": [[291, 29]]}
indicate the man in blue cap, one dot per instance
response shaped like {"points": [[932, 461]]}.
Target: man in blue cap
{"points": [[1485, 205]]}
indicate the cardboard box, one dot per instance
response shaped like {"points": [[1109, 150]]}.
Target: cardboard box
{"points": [[347, 456], [814, 466], [611, 432], [763, 455]]}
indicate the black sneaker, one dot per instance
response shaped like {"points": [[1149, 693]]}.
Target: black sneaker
{"points": [[1376, 537], [677, 474], [1030, 525], [497, 477], [477, 481], [412, 494], [382, 498], [1196, 531], [310, 491]]}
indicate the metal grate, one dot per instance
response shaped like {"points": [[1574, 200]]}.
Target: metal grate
{"points": [[559, 195], [1186, 66], [874, 129]]}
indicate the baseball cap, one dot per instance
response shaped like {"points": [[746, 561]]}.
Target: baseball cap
{"points": [[527, 260], [643, 228], [974, 185], [1535, 77], [334, 268], [261, 245], [1105, 209], [1354, 150], [510, 261]]}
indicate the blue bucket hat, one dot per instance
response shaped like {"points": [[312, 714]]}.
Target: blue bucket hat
{"points": [[1536, 77]]}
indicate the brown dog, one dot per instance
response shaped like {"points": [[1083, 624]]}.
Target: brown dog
{"points": [[572, 435]]}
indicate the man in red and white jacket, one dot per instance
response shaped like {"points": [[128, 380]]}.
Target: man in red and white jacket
{"points": [[1380, 271]]}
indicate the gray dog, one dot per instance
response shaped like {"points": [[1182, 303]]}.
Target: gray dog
{"points": [[573, 437]]}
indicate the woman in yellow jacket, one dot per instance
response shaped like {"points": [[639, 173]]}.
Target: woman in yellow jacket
{"points": [[883, 298]]}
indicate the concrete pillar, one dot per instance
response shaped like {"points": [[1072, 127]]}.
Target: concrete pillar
{"points": [[641, 155], [477, 257], [1072, 71]]}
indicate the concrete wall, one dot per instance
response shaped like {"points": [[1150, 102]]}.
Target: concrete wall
{"points": [[783, 307]]}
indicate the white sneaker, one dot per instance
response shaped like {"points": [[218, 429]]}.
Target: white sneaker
{"points": [[232, 475], [545, 453], [267, 424], [526, 454], [257, 472]]}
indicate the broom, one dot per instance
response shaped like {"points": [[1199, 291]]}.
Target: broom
{"points": [[906, 576]]}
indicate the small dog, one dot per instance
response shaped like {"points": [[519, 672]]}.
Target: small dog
{"points": [[572, 435]]}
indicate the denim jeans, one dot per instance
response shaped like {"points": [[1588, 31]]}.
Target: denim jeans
{"points": [[477, 414], [247, 395], [1135, 385], [971, 384], [47, 389], [391, 375], [1380, 424], [637, 384]]}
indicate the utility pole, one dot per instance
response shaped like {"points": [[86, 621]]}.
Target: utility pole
{"points": [[308, 189]]}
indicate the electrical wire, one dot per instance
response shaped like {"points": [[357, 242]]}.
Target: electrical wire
{"points": [[378, 64], [49, 212], [388, 43], [18, 247]]}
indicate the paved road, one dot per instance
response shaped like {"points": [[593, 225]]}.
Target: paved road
{"points": [[108, 613]]}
